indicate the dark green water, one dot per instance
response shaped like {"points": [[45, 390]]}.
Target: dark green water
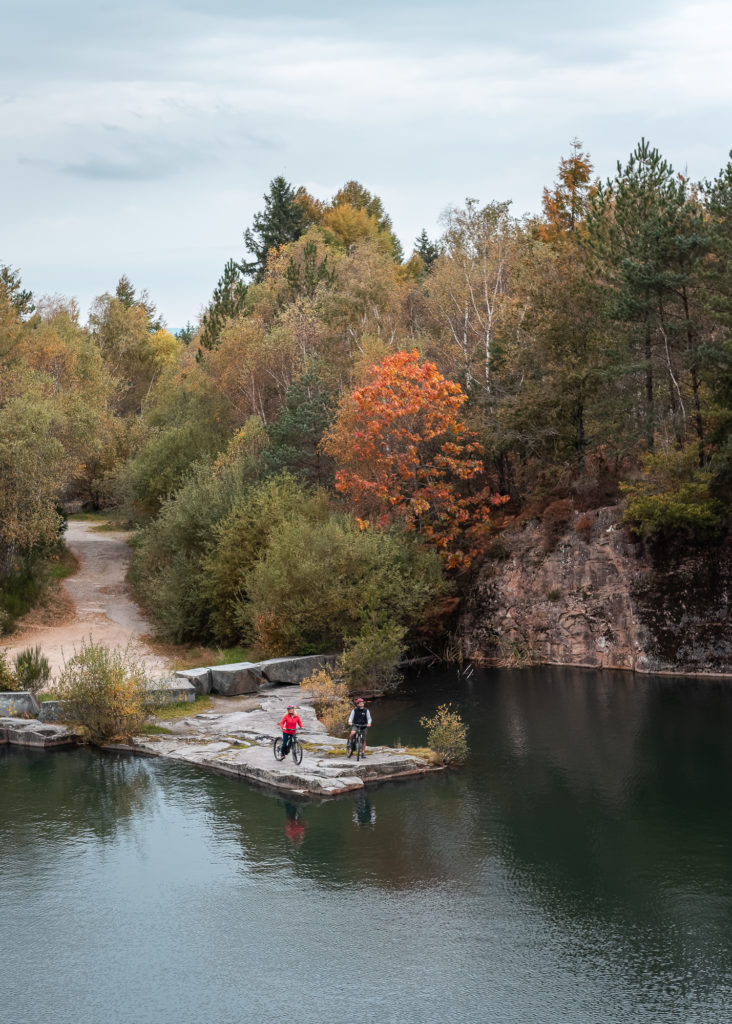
{"points": [[578, 869]]}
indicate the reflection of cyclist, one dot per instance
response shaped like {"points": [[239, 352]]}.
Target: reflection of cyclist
{"points": [[364, 813], [360, 716], [294, 828], [289, 725]]}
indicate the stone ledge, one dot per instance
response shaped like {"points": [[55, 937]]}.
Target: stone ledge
{"points": [[26, 732]]}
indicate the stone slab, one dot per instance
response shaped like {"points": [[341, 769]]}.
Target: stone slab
{"points": [[199, 677], [174, 690], [51, 710], [232, 680], [292, 671], [25, 732], [21, 704]]}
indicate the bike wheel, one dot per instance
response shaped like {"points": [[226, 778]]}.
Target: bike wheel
{"points": [[349, 747], [278, 749], [358, 743], [297, 751]]}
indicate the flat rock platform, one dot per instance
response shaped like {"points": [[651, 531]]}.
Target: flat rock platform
{"points": [[236, 738]]}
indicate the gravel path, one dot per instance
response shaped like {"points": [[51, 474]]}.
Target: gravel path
{"points": [[103, 608]]}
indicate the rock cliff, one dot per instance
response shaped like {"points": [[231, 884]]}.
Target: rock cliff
{"points": [[601, 600]]}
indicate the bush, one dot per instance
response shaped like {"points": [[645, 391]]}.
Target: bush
{"points": [[447, 734], [331, 699], [673, 494], [167, 568], [240, 539], [7, 682], [319, 583], [32, 670], [370, 660], [106, 692]]}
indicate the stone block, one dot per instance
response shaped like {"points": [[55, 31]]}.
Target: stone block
{"points": [[231, 680], [174, 690], [21, 705], [200, 678], [50, 710], [292, 671]]}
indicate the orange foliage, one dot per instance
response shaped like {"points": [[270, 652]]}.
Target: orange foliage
{"points": [[403, 454]]}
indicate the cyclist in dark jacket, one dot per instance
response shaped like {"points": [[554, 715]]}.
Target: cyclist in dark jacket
{"points": [[360, 716]]}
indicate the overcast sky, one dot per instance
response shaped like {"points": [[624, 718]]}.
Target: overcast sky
{"points": [[139, 138]]}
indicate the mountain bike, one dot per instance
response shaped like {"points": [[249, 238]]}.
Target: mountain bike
{"points": [[295, 750], [358, 744]]}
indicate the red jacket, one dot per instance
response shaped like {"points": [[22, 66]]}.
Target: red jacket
{"points": [[290, 723]]}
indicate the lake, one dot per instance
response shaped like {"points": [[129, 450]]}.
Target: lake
{"points": [[578, 870]]}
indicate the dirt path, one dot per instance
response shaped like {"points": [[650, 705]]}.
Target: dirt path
{"points": [[103, 608]]}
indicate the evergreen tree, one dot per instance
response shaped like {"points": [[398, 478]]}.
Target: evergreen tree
{"points": [[428, 251], [647, 240], [227, 302], [125, 294], [18, 297], [187, 333], [715, 355], [296, 433], [283, 220]]}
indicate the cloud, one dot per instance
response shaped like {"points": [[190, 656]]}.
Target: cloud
{"points": [[175, 108], [108, 170]]}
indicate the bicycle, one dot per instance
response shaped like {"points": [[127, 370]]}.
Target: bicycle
{"points": [[358, 744], [295, 750]]}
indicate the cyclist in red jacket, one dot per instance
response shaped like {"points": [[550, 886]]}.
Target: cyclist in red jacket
{"points": [[289, 725]]}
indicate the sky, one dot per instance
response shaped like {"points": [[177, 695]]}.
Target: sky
{"points": [[139, 139]]}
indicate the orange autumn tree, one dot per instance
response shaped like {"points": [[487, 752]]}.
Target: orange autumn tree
{"points": [[403, 454]]}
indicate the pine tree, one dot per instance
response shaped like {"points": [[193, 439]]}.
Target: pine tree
{"points": [[647, 239], [283, 220], [18, 297], [428, 251], [227, 302]]}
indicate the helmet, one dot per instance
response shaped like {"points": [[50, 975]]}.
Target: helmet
{"points": [[360, 700], [290, 707]]}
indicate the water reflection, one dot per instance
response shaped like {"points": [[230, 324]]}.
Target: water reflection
{"points": [[294, 824], [364, 812], [586, 849]]}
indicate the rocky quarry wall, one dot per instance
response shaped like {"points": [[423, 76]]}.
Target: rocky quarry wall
{"points": [[600, 599]]}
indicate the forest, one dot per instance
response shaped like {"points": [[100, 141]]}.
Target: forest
{"points": [[325, 459]]}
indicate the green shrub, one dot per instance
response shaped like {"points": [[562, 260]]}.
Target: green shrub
{"points": [[673, 494], [369, 662], [319, 583], [167, 569], [7, 682], [447, 734], [32, 670], [240, 539], [106, 692]]}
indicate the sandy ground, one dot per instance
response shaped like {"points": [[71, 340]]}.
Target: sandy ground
{"points": [[102, 607]]}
